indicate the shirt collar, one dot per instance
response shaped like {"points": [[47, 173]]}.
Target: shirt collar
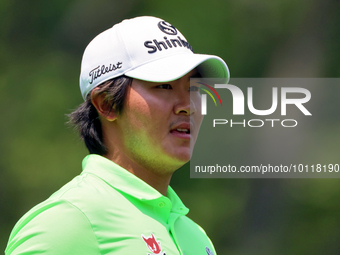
{"points": [[124, 181]]}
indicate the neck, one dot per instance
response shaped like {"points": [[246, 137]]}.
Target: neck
{"points": [[158, 180]]}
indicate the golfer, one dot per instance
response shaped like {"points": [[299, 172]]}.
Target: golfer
{"points": [[139, 121]]}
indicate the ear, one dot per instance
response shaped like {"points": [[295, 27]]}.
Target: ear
{"points": [[103, 108]]}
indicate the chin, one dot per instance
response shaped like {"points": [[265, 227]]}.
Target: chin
{"points": [[183, 157], [178, 156]]}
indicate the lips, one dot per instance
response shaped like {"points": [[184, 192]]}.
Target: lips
{"points": [[181, 130]]}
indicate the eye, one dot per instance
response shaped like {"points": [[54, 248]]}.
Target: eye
{"points": [[194, 88], [164, 86]]}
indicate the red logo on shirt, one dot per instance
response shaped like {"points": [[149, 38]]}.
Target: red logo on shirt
{"points": [[153, 245]]}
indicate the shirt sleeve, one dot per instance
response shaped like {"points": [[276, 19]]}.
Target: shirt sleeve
{"points": [[54, 229]]}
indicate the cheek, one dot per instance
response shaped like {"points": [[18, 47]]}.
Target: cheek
{"points": [[196, 105], [196, 101], [197, 117], [136, 107], [145, 111]]}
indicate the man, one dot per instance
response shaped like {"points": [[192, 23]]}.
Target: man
{"points": [[138, 120]]}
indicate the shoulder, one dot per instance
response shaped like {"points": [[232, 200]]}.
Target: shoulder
{"points": [[53, 227], [64, 221]]}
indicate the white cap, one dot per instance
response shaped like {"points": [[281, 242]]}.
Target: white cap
{"points": [[145, 48]]}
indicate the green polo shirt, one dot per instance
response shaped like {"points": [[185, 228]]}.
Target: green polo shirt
{"points": [[108, 210]]}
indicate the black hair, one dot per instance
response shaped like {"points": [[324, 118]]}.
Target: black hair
{"points": [[86, 119]]}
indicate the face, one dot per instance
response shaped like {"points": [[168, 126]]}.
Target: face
{"points": [[159, 123]]}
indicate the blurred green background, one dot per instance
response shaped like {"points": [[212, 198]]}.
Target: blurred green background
{"points": [[41, 44]]}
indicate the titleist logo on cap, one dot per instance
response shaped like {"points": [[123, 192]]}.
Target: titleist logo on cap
{"points": [[98, 71]]}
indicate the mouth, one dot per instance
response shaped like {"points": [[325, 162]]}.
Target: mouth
{"points": [[181, 130]]}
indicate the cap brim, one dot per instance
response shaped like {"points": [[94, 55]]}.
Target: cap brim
{"points": [[174, 67]]}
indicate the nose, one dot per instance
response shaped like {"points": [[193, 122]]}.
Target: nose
{"points": [[184, 105]]}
